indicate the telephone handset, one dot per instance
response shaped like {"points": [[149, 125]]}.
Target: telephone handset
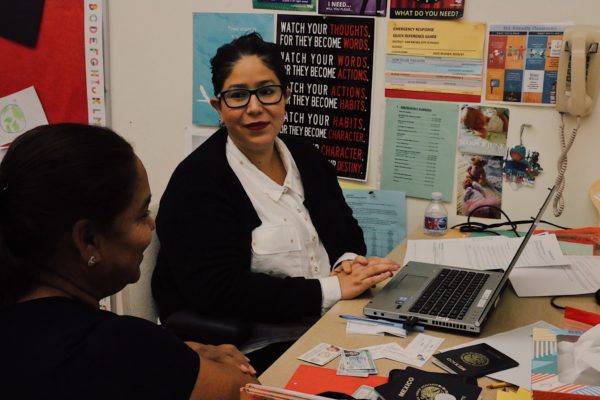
{"points": [[577, 87], [579, 71]]}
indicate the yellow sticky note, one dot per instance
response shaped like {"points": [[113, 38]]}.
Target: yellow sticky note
{"points": [[521, 394]]}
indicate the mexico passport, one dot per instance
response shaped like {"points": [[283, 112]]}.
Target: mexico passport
{"points": [[412, 383], [474, 361]]}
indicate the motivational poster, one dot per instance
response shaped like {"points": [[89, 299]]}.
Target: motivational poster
{"points": [[430, 9], [328, 61], [375, 8]]}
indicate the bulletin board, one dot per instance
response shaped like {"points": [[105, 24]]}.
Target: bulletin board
{"points": [[55, 66], [151, 72]]}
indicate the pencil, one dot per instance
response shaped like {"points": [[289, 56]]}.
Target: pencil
{"points": [[499, 385]]}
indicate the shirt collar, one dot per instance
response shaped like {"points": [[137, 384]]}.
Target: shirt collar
{"points": [[243, 165], [292, 181]]}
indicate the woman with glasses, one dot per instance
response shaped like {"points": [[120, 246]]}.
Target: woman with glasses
{"points": [[254, 225]]}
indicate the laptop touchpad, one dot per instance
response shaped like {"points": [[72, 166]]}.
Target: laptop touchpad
{"points": [[412, 283]]}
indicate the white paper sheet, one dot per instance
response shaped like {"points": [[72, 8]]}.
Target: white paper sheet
{"points": [[19, 112], [487, 252], [418, 351], [580, 277]]}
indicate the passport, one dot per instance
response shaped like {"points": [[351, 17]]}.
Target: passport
{"points": [[412, 383], [474, 361]]}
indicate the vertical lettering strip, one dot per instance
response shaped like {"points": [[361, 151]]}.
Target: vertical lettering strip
{"points": [[94, 62]]}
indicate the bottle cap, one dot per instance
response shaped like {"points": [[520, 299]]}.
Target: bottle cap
{"points": [[436, 195]]}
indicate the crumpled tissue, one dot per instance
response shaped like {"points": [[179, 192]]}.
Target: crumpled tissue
{"points": [[579, 362]]}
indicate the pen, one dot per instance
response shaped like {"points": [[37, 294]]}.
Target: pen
{"points": [[499, 385], [379, 322]]}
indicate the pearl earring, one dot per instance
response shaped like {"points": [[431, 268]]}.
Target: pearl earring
{"points": [[92, 261]]}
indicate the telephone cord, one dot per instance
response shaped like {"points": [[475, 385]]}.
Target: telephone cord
{"points": [[558, 203]]}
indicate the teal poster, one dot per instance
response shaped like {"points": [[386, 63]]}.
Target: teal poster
{"points": [[211, 31]]}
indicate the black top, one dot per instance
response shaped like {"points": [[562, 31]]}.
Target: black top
{"points": [[205, 223], [58, 348]]}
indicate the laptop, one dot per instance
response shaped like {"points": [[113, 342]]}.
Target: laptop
{"points": [[454, 298]]}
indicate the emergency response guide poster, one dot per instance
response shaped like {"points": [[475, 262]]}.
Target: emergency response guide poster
{"points": [[329, 63]]}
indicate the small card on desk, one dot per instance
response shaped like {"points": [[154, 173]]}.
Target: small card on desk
{"points": [[413, 383], [321, 354], [474, 361]]}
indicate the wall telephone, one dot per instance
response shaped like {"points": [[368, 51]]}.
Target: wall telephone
{"points": [[578, 71], [577, 87]]}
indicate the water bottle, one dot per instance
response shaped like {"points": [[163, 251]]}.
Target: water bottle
{"points": [[436, 216]]}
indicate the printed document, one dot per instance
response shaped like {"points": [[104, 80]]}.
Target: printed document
{"points": [[489, 252], [580, 277]]}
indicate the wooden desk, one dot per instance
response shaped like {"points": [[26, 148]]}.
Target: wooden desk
{"points": [[512, 312]]}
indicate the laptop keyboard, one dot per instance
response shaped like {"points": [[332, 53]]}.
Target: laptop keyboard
{"points": [[450, 294]]}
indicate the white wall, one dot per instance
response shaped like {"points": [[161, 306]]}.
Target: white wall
{"points": [[151, 92]]}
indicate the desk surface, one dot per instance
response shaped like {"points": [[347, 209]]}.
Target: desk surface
{"points": [[512, 312]]}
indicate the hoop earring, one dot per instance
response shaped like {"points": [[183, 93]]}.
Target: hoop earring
{"points": [[92, 261]]}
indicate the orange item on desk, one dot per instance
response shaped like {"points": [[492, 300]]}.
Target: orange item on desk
{"points": [[314, 380], [588, 235], [587, 317]]}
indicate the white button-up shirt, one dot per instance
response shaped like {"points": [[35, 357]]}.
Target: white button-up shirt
{"points": [[287, 243]]}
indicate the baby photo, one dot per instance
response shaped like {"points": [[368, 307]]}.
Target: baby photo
{"points": [[483, 130], [479, 180]]}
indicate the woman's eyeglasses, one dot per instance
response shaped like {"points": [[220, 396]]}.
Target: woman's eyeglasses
{"points": [[238, 98]]}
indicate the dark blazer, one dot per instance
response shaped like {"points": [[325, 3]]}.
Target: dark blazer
{"points": [[205, 223]]}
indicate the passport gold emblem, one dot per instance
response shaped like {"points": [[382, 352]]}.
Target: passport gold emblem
{"points": [[429, 391], [475, 359]]}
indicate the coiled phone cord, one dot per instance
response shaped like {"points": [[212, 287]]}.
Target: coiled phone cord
{"points": [[558, 204]]}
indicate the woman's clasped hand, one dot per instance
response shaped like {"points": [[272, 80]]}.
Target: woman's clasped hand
{"points": [[359, 274]]}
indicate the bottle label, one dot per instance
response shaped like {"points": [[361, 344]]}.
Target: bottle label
{"points": [[436, 223]]}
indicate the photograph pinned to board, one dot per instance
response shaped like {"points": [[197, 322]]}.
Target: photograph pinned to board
{"points": [[211, 31], [373, 8], [479, 191], [483, 130], [285, 5], [521, 166], [430, 9]]}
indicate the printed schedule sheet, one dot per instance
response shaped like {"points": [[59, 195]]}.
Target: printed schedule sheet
{"points": [[415, 156]]}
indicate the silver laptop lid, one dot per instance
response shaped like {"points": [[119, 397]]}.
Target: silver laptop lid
{"points": [[505, 276], [526, 238]]}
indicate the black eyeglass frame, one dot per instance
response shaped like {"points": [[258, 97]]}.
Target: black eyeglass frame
{"points": [[251, 92]]}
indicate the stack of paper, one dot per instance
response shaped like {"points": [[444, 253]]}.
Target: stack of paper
{"points": [[541, 261], [488, 252]]}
